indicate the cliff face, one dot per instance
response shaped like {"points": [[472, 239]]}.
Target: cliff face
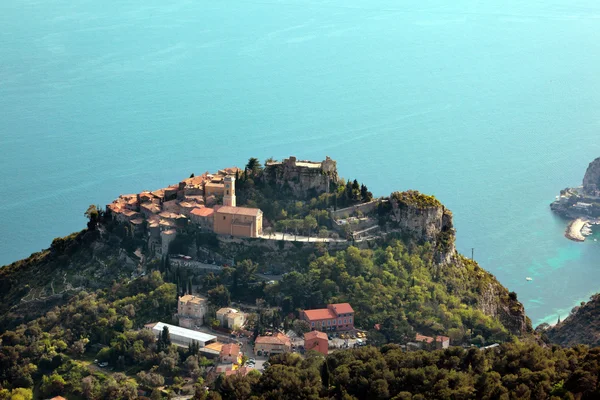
{"points": [[496, 302], [425, 219], [582, 326], [302, 179], [591, 179]]}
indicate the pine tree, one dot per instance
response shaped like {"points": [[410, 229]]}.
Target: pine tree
{"points": [[190, 285], [166, 336]]}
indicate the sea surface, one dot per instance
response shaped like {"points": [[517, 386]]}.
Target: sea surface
{"points": [[493, 106]]}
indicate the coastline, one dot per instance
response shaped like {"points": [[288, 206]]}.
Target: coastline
{"points": [[574, 229]]}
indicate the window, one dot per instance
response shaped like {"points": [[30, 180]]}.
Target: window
{"points": [[228, 192], [345, 321], [334, 322], [350, 320], [224, 218], [328, 323], [340, 321], [313, 324]]}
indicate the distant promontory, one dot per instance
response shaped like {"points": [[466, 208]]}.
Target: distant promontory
{"points": [[581, 204]]}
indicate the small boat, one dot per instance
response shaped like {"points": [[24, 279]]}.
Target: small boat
{"points": [[528, 279]]}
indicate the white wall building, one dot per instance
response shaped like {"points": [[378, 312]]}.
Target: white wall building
{"points": [[182, 336]]}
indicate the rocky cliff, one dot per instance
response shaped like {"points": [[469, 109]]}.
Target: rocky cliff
{"points": [[302, 179], [423, 218], [582, 326], [591, 179], [508, 310]]}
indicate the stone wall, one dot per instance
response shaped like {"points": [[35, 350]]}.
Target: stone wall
{"points": [[365, 208], [300, 178]]}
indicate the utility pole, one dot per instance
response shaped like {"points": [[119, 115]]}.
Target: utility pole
{"points": [[472, 253]]}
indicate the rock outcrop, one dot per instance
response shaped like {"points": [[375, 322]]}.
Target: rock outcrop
{"points": [[423, 218], [591, 179], [302, 179], [509, 311]]}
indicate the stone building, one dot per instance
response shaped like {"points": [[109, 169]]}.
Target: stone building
{"points": [[230, 318], [238, 221], [191, 310]]}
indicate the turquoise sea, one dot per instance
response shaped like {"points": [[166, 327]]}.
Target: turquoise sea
{"points": [[493, 106]]}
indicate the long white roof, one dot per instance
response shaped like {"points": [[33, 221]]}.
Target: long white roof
{"points": [[183, 332]]}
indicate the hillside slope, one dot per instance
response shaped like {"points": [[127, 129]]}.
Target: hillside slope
{"points": [[582, 326]]}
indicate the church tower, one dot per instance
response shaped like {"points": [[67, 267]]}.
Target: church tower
{"points": [[229, 192]]}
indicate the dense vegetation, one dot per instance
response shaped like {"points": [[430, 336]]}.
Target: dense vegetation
{"points": [[397, 286], [582, 326], [511, 371], [416, 199], [52, 354]]}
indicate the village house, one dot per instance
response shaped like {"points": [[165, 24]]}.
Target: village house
{"points": [[316, 340], [336, 317], [276, 344], [230, 318], [230, 353], [424, 342], [203, 217], [191, 310]]}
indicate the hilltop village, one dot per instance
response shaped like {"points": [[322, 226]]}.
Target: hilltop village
{"points": [[200, 287], [208, 203]]}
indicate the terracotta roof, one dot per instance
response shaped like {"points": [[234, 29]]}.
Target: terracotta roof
{"points": [[215, 185], [169, 232], [342, 308], [319, 314], [315, 335], [137, 221], [58, 398], [252, 212], [429, 339], [230, 349], [214, 346], [188, 298], [277, 339], [203, 211]]}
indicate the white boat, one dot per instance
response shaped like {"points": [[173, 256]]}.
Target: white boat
{"points": [[528, 279]]}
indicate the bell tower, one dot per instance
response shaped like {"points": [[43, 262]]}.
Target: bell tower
{"points": [[229, 191]]}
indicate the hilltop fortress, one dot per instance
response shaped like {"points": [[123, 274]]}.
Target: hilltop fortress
{"points": [[209, 204]]}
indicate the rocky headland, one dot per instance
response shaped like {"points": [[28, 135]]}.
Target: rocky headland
{"points": [[581, 204]]}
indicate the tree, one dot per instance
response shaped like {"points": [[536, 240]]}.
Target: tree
{"points": [[253, 166], [166, 336], [219, 296], [309, 224], [301, 327], [191, 175], [53, 385], [92, 214]]}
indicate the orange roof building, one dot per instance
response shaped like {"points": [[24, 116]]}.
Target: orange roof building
{"points": [[238, 221], [316, 340], [277, 344], [441, 342], [336, 317], [230, 353]]}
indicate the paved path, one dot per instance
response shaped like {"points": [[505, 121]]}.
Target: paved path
{"points": [[292, 238]]}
